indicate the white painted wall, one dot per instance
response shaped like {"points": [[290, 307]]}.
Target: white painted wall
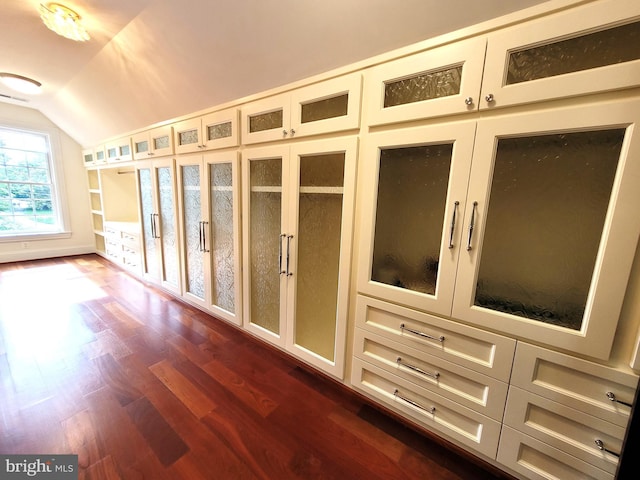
{"points": [[73, 191]]}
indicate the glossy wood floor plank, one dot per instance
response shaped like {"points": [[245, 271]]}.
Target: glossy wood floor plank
{"points": [[142, 386]]}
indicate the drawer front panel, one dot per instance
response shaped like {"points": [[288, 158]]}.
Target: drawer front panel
{"points": [[597, 390], [570, 430], [470, 347], [427, 408], [479, 392], [538, 461]]}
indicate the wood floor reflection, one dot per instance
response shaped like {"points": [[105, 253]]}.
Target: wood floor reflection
{"points": [[141, 386]]}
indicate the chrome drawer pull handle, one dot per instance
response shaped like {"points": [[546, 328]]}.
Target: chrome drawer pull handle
{"points": [[600, 445], [420, 334], [435, 375], [612, 396], [431, 410], [453, 223]]}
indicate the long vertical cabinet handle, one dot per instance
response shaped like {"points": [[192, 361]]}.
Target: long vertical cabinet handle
{"points": [[289, 237], [200, 247], [157, 217], [153, 225], [204, 227], [472, 224], [453, 223], [280, 270]]}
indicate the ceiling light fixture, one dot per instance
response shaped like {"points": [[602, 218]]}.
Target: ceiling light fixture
{"points": [[63, 21], [20, 84]]}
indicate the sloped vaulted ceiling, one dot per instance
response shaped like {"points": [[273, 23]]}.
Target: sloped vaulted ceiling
{"points": [[152, 60]]}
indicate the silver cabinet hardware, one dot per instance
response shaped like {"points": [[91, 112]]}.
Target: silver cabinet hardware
{"points": [[289, 237], [434, 375], [472, 224], [612, 396], [489, 98], [453, 223], [468, 101], [431, 410], [280, 254], [601, 447], [403, 327]]}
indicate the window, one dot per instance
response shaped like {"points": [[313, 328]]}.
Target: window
{"points": [[28, 201]]}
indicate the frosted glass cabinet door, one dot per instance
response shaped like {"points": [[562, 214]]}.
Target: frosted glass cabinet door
{"points": [[553, 205], [194, 236], [412, 219], [223, 219], [322, 174], [151, 268], [441, 81], [168, 225], [265, 245], [582, 50]]}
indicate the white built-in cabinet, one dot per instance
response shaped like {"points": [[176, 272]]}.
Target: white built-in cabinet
{"points": [[533, 235], [329, 106], [297, 228], [568, 53], [119, 150], [159, 221], [494, 245], [209, 199], [149, 144], [211, 131]]}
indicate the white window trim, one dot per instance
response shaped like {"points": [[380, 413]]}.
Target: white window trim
{"points": [[58, 183]]}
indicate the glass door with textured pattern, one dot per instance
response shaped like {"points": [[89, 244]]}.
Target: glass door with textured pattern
{"points": [[194, 236], [590, 48], [321, 218], [552, 225], [267, 243], [158, 213], [415, 194], [441, 81], [222, 232]]}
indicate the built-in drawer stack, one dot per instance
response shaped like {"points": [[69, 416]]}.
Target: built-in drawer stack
{"points": [[122, 244], [448, 377], [564, 416]]}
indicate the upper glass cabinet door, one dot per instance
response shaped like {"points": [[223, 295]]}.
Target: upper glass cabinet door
{"points": [[413, 220], [553, 226], [444, 80], [584, 50]]}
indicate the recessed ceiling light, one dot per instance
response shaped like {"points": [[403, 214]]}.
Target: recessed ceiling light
{"points": [[20, 83], [63, 21]]}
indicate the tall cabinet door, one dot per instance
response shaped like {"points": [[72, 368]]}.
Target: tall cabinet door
{"points": [[148, 214], [222, 235], [267, 243], [158, 209], [320, 217], [553, 204], [414, 198], [190, 174]]}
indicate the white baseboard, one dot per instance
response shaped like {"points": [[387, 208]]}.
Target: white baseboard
{"points": [[33, 254]]}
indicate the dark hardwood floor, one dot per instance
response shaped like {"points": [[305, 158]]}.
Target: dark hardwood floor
{"points": [[141, 386]]}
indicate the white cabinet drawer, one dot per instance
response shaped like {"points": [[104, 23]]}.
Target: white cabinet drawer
{"points": [[470, 347], [538, 461], [592, 388], [475, 390], [427, 408], [566, 428]]}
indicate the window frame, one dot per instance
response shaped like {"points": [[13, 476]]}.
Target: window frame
{"points": [[58, 193]]}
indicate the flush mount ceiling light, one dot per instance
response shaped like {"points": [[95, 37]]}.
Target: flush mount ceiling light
{"points": [[63, 21], [20, 83]]}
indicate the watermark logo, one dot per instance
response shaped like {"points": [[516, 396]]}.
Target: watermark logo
{"points": [[39, 467]]}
